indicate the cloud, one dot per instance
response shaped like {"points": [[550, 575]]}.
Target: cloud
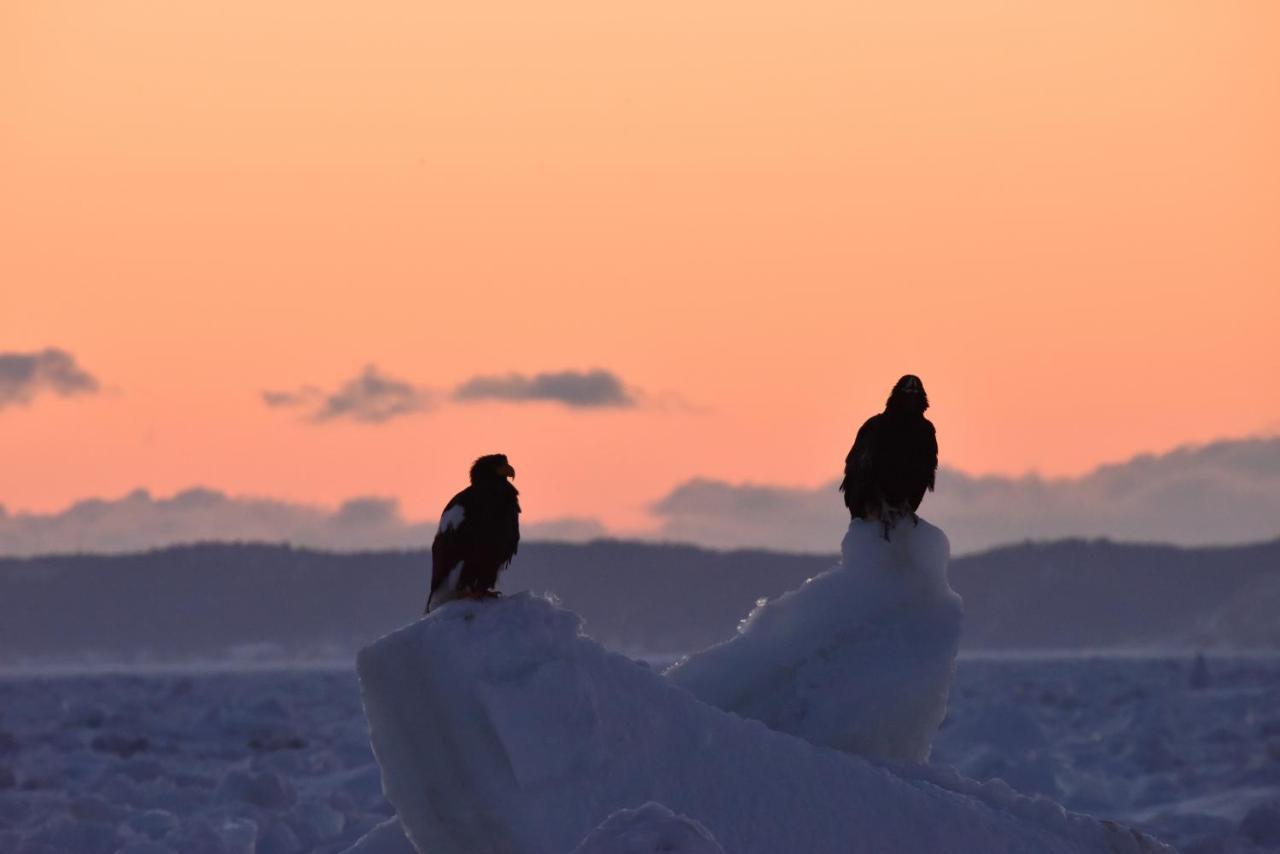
{"points": [[1224, 492], [374, 397], [301, 397], [1220, 493], [371, 397], [24, 375], [724, 515], [140, 521], [578, 389], [568, 530]]}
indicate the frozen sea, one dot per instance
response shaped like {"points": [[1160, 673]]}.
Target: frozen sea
{"points": [[277, 761]]}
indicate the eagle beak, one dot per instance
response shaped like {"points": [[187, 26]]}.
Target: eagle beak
{"points": [[509, 471]]}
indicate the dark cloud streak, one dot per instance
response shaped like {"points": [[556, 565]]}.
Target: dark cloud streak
{"points": [[300, 397], [140, 521], [595, 389], [372, 397], [24, 375]]}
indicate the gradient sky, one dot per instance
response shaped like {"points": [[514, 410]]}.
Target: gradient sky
{"points": [[1065, 216]]}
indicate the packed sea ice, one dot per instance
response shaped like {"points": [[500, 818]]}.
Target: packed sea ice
{"points": [[500, 727], [134, 762]]}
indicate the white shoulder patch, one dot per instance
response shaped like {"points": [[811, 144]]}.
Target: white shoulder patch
{"points": [[452, 517]]}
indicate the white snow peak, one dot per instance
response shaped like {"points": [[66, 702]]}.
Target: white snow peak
{"points": [[859, 658], [500, 728]]}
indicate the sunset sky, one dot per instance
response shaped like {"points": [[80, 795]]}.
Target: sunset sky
{"points": [[1064, 216]]}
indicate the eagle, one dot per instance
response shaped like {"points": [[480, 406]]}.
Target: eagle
{"points": [[478, 535], [894, 458]]}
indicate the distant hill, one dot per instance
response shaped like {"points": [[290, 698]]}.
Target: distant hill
{"points": [[214, 601], [1086, 594]]}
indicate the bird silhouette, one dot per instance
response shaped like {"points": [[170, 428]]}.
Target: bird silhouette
{"points": [[894, 459], [478, 535]]}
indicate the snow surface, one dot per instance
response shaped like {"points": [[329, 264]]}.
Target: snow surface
{"points": [[1127, 739], [1141, 741], [859, 658], [499, 728], [387, 838], [649, 829], [267, 763]]}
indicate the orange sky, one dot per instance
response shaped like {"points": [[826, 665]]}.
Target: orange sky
{"points": [[1065, 216]]}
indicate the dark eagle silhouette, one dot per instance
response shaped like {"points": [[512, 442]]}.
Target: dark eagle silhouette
{"points": [[478, 535], [894, 458]]}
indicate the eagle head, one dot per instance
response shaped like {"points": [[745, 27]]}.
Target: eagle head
{"points": [[490, 468], [908, 396]]}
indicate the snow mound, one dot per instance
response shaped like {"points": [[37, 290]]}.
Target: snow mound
{"points": [[1262, 824], [650, 829], [499, 728], [387, 838], [859, 658]]}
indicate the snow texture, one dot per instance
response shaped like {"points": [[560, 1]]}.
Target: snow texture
{"points": [[499, 728], [649, 829], [1124, 738], [387, 838], [859, 658], [1262, 824]]}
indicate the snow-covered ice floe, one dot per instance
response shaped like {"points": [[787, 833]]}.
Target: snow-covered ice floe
{"points": [[859, 658], [501, 729], [649, 829]]}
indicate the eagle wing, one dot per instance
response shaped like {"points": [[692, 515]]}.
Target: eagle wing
{"points": [[478, 535], [923, 463], [451, 544], [859, 469], [893, 462]]}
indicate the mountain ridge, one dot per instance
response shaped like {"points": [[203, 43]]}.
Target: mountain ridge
{"points": [[218, 600]]}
